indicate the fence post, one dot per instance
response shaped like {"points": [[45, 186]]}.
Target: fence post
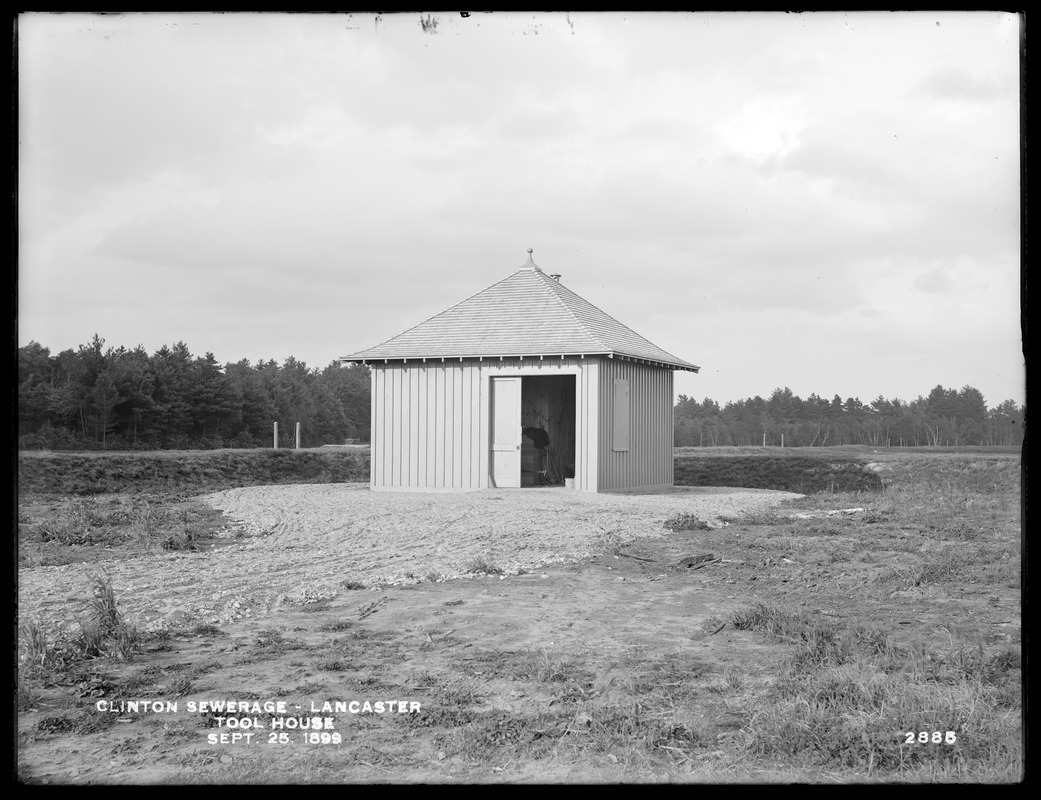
{"points": [[298, 436], [275, 443]]}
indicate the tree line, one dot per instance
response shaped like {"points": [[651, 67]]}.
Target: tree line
{"points": [[114, 398], [947, 417]]}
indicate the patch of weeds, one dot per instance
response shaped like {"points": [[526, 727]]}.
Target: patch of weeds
{"points": [[1005, 660], [975, 666], [175, 731], [788, 472], [153, 671], [206, 629], [678, 737], [89, 721], [760, 516], [673, 675], [686, 522], [352, 586], [126, 641], [612, 725], [496, 731], [481, 566], [905, 576], [270, 643], [41, 651], [818, 642], [714, 624], [180, 541], [94, 685], [437, 717], [27, 694], [337, 625], [766, 619], [434, 576], [90, 640], [732, 680], [205, 667], [613, 543], [854, 717], [131, 686], [950, 564], [333, 665], [181, 686], [543, 666], [53, 725], [873, 516], [106, 614]]}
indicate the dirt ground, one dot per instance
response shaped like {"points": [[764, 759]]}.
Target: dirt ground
{"points": [[514, 673], [303, 543]]}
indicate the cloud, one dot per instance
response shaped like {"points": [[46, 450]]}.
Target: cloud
{"points": [[758, 192], [951, 82]]}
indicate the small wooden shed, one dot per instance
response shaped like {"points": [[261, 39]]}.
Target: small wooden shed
{"points": [[522, 384]]}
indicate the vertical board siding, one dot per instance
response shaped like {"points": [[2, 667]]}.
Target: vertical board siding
{"points": [[430, 421], [426, 426], [648, 461], [588, 421]]}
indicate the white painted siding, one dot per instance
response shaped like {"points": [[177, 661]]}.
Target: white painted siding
{"points": [[648, 460], [431, 422]]}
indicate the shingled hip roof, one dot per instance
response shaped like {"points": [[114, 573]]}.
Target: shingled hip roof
{"points": [[528, 313]]}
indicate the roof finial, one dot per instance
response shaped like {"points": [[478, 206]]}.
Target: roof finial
{"points": [[531, 262], [530, 251]]}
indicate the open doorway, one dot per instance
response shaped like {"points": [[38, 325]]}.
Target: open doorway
{"points": [[548, 424]]}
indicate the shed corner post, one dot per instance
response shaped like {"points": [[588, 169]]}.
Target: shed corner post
{"points": [[373, 378], [484, 379]]}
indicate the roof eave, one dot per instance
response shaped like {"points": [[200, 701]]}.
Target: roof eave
{"points": [[364, 358]]}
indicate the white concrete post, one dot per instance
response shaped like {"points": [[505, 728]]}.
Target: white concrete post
{"points": [[275, 444]]}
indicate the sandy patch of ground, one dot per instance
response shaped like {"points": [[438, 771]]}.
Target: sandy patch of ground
{"points": [[307, 542]]}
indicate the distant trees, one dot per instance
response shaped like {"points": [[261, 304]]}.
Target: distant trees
{"points": [[98, 397], [944, 417]]}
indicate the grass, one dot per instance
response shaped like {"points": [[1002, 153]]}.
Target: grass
{"points": [[545, 667], [481, 566], [47, 656], [53, 532], [855, 694], [865, 620], [87, 474], [686, 522], [271, 643], [803, 474], [849, 697]]}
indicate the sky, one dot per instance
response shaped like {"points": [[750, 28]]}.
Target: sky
{"points": [[828, 202]]}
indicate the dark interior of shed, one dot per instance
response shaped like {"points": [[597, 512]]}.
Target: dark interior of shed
{"points": [[548, 420]]}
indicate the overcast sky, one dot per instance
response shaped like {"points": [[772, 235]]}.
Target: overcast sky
{"points": [[825, 201]]}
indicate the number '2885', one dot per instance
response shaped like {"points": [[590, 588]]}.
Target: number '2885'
{"points": [[930, 737]]}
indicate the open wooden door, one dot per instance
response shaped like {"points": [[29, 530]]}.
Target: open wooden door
{"points": [[506, 433]]}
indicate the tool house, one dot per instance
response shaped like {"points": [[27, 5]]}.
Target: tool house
{"points": [[522, 384]]}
